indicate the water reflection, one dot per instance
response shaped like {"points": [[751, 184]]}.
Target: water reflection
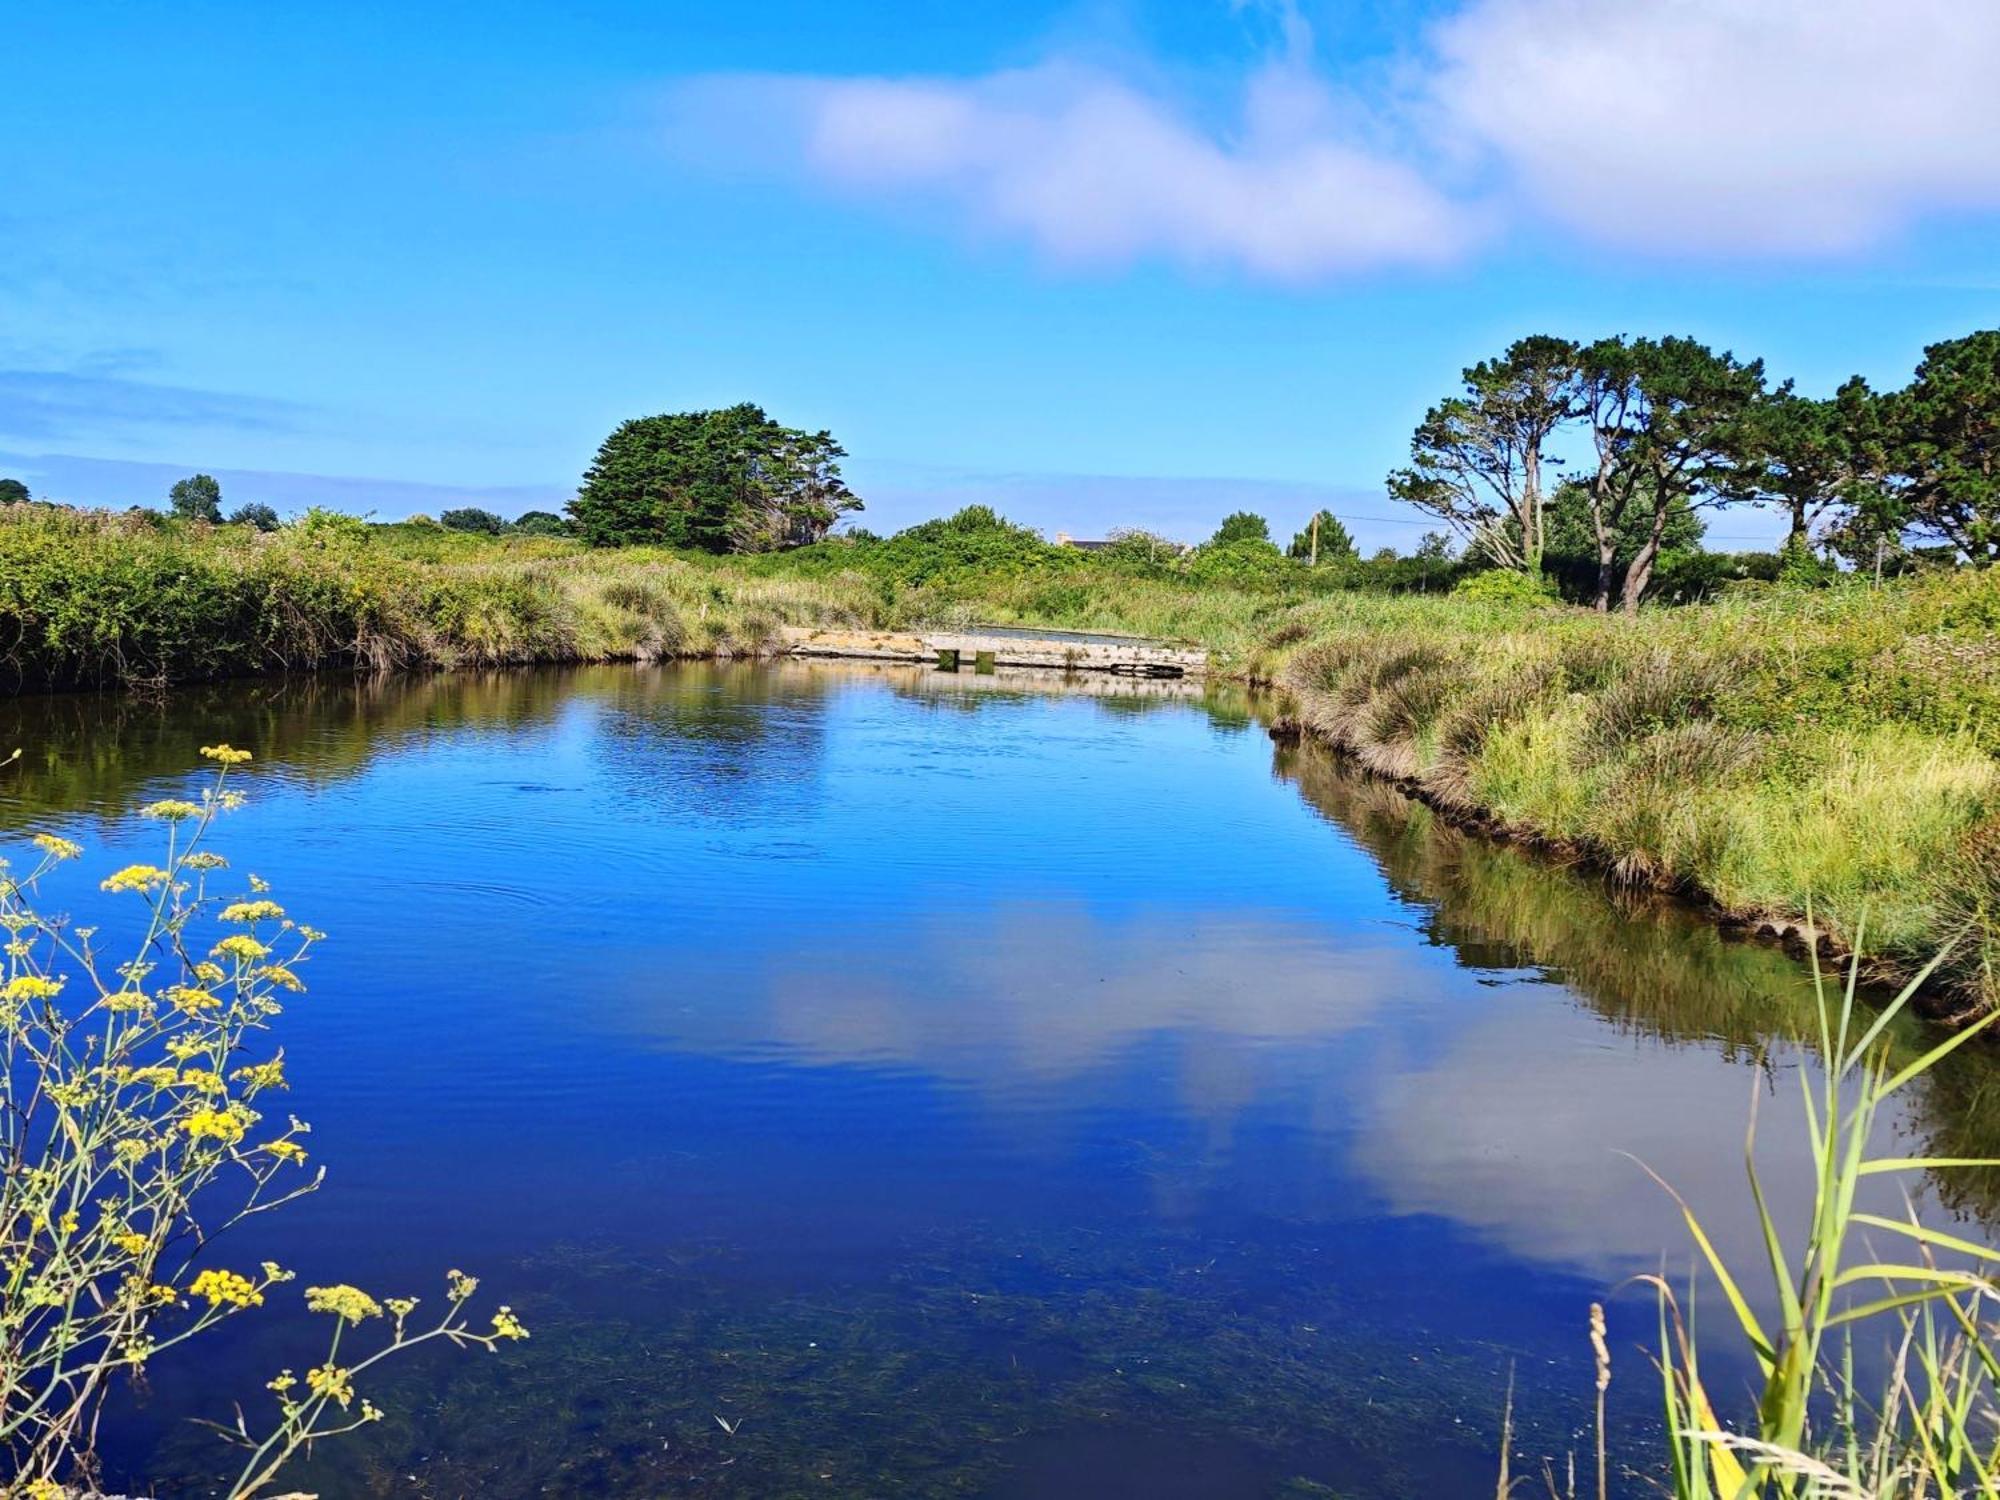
{"points": [[1657, 973], [976, 1081]]}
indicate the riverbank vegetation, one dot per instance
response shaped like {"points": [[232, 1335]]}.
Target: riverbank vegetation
{"points": [[1778, 747]]}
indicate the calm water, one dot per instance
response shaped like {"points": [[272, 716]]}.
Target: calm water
{"points": [[962, 1088]]}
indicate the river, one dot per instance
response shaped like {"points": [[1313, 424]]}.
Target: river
{"points": [[878, 1081]]}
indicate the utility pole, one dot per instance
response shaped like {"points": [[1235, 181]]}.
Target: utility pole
{"points": [[1315, 541]]}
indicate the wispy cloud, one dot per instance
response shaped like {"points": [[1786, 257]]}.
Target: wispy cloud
{"points": [[40, 405], [1733, 128]]}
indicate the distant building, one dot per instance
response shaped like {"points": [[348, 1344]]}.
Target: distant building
{"points": [[1064, 539]]}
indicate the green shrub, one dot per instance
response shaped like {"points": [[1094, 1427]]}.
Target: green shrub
{"points": [[1505, 586], [472, 518]]}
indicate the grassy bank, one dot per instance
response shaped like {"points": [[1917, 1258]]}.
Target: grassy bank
{"points": [[94, 599], [91, 600], [1775, 747]]}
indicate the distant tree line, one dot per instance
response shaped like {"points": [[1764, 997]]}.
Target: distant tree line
{"points": [[1657, 430]]}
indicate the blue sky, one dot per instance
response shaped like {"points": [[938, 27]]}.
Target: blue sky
{"points": [[1099, 264]]}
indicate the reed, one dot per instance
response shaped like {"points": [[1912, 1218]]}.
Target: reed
{"points": [[1926, 1428]]}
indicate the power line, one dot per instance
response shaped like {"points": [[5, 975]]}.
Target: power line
{"points": [[1707, 536]]}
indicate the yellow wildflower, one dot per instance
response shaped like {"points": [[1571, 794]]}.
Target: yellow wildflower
{"points": [[191, 1001], [237, 945], [31, 987], [158, 1077], [269, 1075], [136, 878], [459, 1286], [507, 1326], [213, 1124], [251, 911], [283, 1381], [127, 1000], [131, 1148], [343, 1301], [204, 860], [43, 1489], [209, 973], [331, 1382], [171, 810], [226, 1289], [57, 848], [150, 1293], [280, 976], [203, 1081], [290, 1151], [130, 1241], [181, 1048], [225, 754]]}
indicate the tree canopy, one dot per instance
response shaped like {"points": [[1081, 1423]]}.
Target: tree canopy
{"points": [[13, 492], [731, 480], [1241, 526], [1322, 539], [1673, 424], [256, 514], [541, 523], [1944, 437], [472, 518], [1477, 460], [197, 498]]}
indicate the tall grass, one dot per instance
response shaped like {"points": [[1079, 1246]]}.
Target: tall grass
{"points": [[94, 599], [1853, 1278]]}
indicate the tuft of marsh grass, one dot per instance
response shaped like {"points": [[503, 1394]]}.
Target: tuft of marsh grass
{"points": [[1851, 1278]]}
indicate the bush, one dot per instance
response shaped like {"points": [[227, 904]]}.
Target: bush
{"points": [[322, 527], [1505, 586], [256, 515], [472, 518], [1245, 563], [541, 523]]}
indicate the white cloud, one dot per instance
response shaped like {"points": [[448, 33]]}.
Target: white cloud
{"points": [[1740, 127], [1724, 128], [1092, 168]]}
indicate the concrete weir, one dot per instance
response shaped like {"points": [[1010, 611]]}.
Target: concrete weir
{"points": [[982, 648]]}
